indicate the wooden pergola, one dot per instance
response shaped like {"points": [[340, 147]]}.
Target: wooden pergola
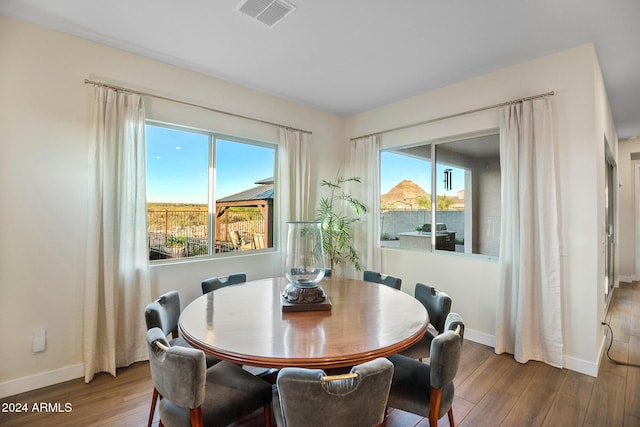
{"points": [[260, 197]]}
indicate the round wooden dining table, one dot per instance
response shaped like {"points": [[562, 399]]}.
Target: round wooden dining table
{"points": [[245, 324]]}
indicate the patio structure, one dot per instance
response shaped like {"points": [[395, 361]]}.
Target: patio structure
{"points": [[250, 234]]}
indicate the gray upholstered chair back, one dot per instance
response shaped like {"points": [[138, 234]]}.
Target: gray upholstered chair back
{"points": [[179, 373], [446, 350], [213, 283], [454, 320], [303, 399], [164, 313], [384, 279], [437, 303]]}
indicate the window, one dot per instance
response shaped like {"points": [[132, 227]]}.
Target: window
{"points": [[405, 201], [207, 193], [464, 189]]}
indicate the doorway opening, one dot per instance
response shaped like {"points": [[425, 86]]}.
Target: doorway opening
{"points": [[610, 221]]}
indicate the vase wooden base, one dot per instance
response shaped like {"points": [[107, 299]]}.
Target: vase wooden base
{"points": [[295, 298]]}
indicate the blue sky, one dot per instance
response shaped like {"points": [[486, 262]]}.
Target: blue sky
{"points": [[178, 166]]}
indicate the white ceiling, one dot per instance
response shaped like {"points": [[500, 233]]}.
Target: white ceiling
{"points": [[349, 56]]}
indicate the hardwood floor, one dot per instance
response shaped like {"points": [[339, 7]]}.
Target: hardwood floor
{"points": [[491, 390]]}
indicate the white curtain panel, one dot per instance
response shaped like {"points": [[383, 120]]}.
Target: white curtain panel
{"points": [[117, 269], [365, 163], [295, 167], [529, 316], [294, 180]]}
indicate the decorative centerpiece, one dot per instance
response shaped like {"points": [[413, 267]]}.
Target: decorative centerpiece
{"points": [[304, 267]]}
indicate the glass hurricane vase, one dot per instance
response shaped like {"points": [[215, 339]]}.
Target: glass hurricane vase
{"points": [[304, 266]]}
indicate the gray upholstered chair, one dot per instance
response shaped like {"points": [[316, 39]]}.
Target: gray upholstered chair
{"points": [[164, 313], [454, 320], [192, 395], [307, 397], [427, 389], [213, 283], [438, 305], [384, 279]]}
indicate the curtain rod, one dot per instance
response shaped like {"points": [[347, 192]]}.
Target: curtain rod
{"points": [[190, 104], [450, 116]]}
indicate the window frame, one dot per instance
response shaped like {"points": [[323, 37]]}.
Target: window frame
{"points": [[433, 148], [213, 138]]}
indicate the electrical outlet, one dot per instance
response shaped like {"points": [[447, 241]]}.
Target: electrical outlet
{"points": [[39, 340]]}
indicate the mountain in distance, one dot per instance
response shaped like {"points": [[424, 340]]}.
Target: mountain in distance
{"points": [[405, 192]]}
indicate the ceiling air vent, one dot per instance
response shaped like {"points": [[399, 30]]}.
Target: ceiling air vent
{"points": [[269, 12]]}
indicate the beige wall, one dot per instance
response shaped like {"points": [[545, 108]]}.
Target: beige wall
{"points": [[581, 117], [44, 117]]}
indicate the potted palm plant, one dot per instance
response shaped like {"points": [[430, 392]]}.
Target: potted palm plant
{"points": [[335, 213]]}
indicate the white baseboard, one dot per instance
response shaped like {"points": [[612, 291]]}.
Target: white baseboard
{"points": [[627, 279], [480, 337], [571, 363], [43, 379], [580, 366]]}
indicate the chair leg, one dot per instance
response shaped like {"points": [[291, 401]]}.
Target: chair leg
{"points": [[434, 406], [152, 411], [267, 414], [196, 417], [452, 423]]}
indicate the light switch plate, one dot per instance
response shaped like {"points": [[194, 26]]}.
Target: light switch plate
{"points": [[39, 340]]}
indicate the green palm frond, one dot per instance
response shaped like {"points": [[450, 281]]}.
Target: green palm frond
{"points": [[337, 223]]}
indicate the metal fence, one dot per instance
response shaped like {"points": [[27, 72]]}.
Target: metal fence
{"points": [[185, 233]]}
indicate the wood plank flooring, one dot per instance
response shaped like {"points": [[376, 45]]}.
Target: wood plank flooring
{"points": [[491, 390]]}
